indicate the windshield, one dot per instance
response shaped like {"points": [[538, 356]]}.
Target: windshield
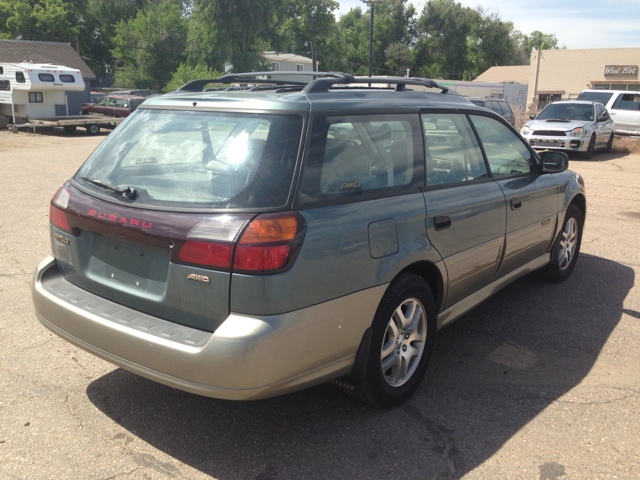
{"points": [[198, 159], [567, 111], [603, 97]]}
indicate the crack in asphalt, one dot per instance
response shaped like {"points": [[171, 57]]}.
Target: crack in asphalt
{"points": [[440, 434]]}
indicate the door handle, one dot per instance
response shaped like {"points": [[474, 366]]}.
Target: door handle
{"points": [[441, 223], [515, 203]]}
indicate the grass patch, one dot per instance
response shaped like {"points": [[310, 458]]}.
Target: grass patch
{"points": [[626, 145]]}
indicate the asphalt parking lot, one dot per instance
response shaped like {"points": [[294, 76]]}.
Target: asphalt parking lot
{"points": [[540, 382]]}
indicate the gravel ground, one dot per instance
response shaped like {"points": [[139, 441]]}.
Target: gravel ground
{"points": [[540, 382]]}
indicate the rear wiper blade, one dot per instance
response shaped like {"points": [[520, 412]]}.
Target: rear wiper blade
{"points": [[128, 192]]}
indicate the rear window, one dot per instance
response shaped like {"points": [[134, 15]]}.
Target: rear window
{"points": [[133, 104], [479, 103], [199, 159], [603, 97]]}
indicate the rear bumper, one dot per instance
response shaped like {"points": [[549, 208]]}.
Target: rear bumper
{"points": [[247, 357]]}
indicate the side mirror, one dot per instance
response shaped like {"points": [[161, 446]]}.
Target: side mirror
{"points": [[603, 118], [532, 117], [554, 162]]}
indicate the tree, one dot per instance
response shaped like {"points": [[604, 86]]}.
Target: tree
{"points": [[234, 32], [186, 73], [491, 42], [443, 29], [541, 41], [312, 20], [37, 20], [149, 47]]}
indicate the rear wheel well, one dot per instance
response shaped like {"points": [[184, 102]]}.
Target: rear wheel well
{"points": [[430, 273]]}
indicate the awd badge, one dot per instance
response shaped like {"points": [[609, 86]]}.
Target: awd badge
{"points": [[198, 278]]}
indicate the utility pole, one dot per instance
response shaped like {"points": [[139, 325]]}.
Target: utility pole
{"points": [[371, 3], [77, 46], [313, 54]]}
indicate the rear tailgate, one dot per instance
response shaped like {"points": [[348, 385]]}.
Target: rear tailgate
{"points": [[128, 255]]}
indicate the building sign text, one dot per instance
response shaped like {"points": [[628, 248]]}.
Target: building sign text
{"points": [[627, 70]]}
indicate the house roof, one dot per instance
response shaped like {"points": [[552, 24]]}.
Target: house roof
{"points": [[56, 53], [510, 74], [286, 57]]}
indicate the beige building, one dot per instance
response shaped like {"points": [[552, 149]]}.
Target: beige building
{"points": [[555, 74], [508, 74]]}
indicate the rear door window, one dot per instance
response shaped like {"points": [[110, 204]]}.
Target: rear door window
{"points": [[627, 101], [122, 103], [199, 159], [505, 107], [355, 157], [452, 153], [505, 152]]}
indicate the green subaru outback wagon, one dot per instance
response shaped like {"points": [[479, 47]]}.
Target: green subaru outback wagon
{"points": [[247, 242]]}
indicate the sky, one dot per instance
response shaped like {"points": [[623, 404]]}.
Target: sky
{"points": [[576, 24]]}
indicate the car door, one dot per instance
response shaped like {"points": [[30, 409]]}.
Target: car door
{"points": [[531, 197], [466, 217], [122, 107], [110, 108], [507, 112], [603, 125], [99, 106], [625, 112], [360, 196]]}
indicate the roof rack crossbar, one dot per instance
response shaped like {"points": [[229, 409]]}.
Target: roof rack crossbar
{"points": [[324, 84]]}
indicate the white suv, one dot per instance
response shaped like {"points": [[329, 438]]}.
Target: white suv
{"points": [[623, 106]]}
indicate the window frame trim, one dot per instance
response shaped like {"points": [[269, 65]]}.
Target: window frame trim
{"points": [[35, 96]]}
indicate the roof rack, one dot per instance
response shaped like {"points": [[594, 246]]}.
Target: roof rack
{"points": [[318, 83]]}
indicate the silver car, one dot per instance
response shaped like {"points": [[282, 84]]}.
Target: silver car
{"points": [[571, 125]]}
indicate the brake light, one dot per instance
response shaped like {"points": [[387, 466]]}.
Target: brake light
{"points": [[58, 218], [269, 244], [59, 202], [210, 254]]}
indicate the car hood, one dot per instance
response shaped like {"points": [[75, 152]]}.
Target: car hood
{"points": [[560, 125]]}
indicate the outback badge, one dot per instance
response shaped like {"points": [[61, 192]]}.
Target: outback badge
{"points": [[199, 278]]}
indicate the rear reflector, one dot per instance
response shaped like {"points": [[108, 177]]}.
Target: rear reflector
{"points": [[260, 258], [58, 218], [209, 254]]}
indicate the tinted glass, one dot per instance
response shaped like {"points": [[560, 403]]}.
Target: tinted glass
{"points": [[505, 152], [45, 77], [627, 101], [479, 103], [505, 107], [200, 159], [67, 78], [451, 150], [567, 111], [20, 77], [601, 96], [4, 85], [353, 155]]}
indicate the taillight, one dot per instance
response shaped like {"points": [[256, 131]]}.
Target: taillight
{"points": [[59, 203], [269, 244], [208, 254]]}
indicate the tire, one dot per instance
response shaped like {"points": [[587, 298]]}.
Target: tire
{"points": [[566, 249], [610, 144], [591, 148], [93, 129], [69, 128], [405, 357]]}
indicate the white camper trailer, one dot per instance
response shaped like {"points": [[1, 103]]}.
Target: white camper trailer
{"points": [[31, 91]]}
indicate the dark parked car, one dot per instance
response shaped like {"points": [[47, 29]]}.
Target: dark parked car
{"points": [[498, 105], [114, 105], [250, 243]]}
